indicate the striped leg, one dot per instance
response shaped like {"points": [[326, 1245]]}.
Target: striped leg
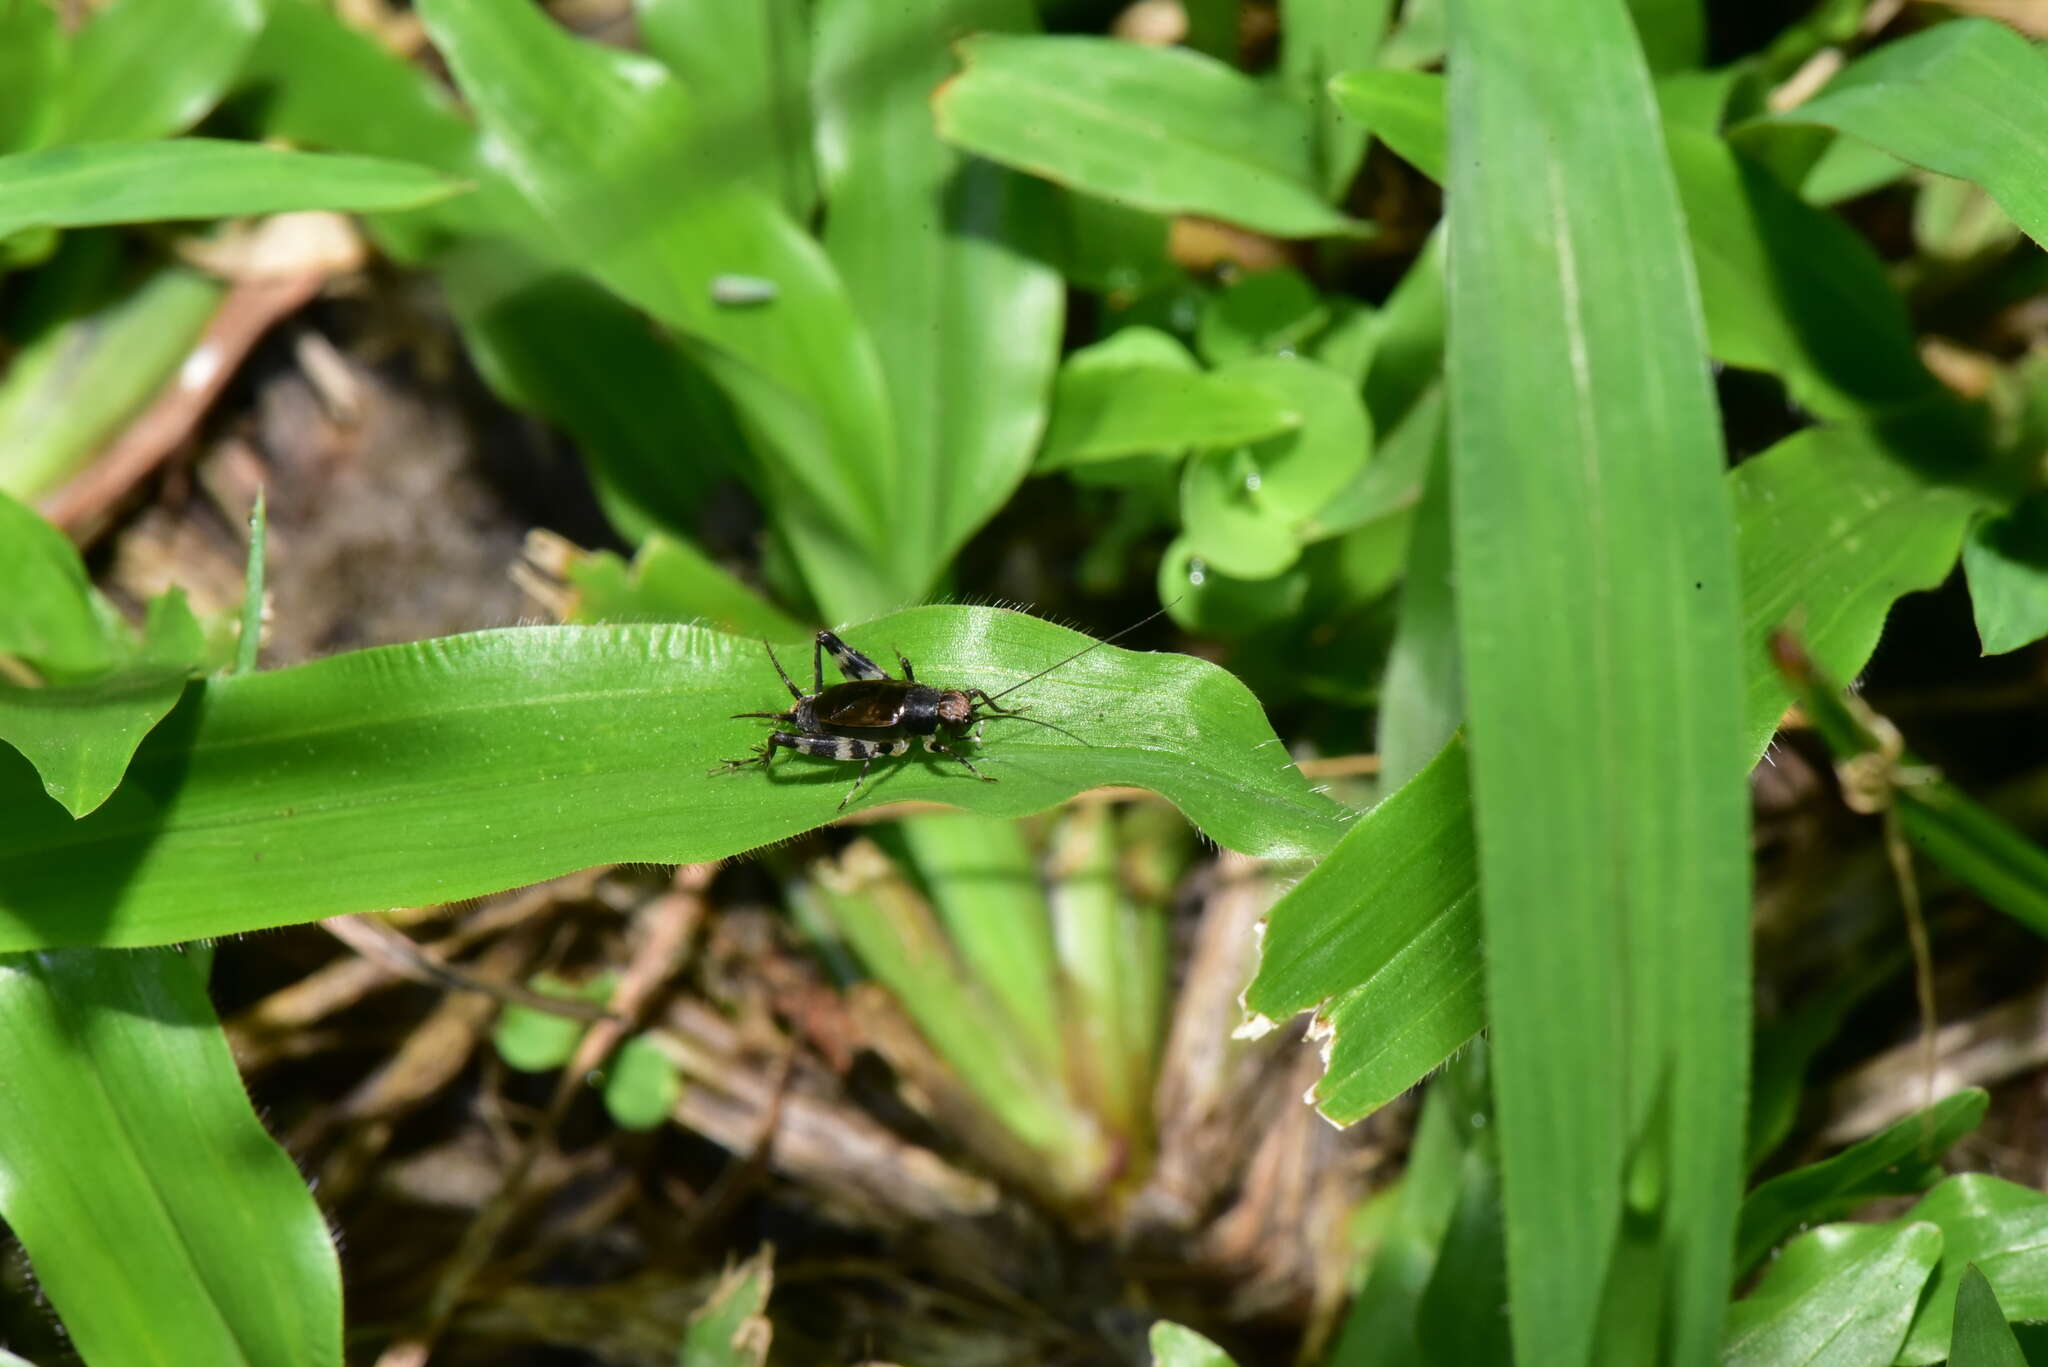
{"points": [[854, 665]]}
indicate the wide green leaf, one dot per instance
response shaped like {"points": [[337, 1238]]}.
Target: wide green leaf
{"points": [[1674, 32], [1982, 1338], [559, 345], [1999, 1226], [1176, 1345], [1840, 1296], [1786, 288], [1404, 110], [1140, 393], [749, 67], [608, 147], [80, 732], [1834, 525], [450, 768], [930, 244], [2006, 559], [1968, 99], [671, 581], [142, 182], [1264, 313], [163, 1223], [146, 68], [33, 55], [1598, 611], [54, 621], [1793, 290], [1901, 1159], [1163, 129], [1397, 990]]}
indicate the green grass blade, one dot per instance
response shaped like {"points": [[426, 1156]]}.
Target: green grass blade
{"points": [[1982, 1338], [898, 940], [451, 768], [1968, 99], [1840, 1296], [1088, 914], [929, 243], [144, 182], [250, 638], [164, 1224], [145, 68], [1899, 1160], [90, 357], [1163, 129], [982, 880], [1598, 613]]}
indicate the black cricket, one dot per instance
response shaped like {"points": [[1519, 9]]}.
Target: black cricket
{"points": [[872, 715]]}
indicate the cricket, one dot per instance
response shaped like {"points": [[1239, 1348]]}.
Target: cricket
{"points": [[871, 715]]}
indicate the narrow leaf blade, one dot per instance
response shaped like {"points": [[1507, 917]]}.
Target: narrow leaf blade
{"points": [[1598, 608]]}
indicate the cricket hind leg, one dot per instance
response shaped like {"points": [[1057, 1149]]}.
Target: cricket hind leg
{"points": [[854, 665], [933, 746]]}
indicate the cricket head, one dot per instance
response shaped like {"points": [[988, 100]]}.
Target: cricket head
{"points": [[955, 707]]}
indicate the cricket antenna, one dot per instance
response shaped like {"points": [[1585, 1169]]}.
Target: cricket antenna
{"points": [[1083, 651]]}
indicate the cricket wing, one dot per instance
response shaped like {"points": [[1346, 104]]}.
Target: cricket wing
{"points": [[869, 705]]}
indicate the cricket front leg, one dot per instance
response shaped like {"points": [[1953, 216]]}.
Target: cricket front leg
{"points": [[932, 746]]}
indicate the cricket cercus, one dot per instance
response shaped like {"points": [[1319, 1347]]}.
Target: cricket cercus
{"points": [[872, 715]]}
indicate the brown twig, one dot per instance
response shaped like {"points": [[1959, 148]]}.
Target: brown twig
{"points": [[82, 505]]}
